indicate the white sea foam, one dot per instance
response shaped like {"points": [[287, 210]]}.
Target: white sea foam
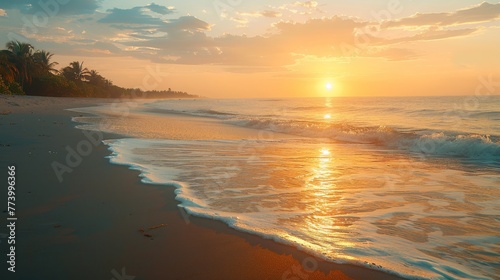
{"points": [[335, 216]]}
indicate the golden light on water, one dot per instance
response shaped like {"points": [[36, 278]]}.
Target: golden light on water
{"points": [[324, 198], [328, 102], [327, 116]]}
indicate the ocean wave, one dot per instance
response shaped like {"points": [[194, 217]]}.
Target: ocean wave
{"points": [[472, 146], [469, 146], [491, 115], [214, 112]]}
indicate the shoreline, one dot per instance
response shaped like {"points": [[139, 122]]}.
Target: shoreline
{"points": [[92, 220]]}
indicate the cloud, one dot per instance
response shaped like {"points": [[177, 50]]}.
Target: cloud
{"points": [[138, 19], [301, 8], [69, 8], [481, 13], [291, 40], [100, 49], [243, 18], [240, 20], [145, 32], [186, 41], [162, 10], [436, 35], [3, 13], [267, 14], [306, 4], [186, 23], [130, 16], [271, 14]]}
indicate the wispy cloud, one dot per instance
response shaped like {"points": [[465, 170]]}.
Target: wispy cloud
{"points": [[271, 14], [243, 18], [434, 34], [301, 7], [130, 16], [184, 41], [306, 4], [481, 13], [137, 15], [266, 13], [69, 7], [160, 9], [276, 49]]}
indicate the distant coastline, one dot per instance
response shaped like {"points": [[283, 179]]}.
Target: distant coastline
{"points": [[26, 71]]}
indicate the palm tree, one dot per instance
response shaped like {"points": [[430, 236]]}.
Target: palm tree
{"points": [[96, 79], [43, 64], [93, 77], [8, 70], [21, 55], [75, 71]]}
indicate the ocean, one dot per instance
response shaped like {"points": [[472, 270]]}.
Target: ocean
{"points": [[407, 185]]}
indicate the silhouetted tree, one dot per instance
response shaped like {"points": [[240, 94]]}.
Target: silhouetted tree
{"points": [[8, 70], [95, 79], [43, 65], [75, 71], [21, 55]]}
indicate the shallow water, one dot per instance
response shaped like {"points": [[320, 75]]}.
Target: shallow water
{"points": [[398, 184]]}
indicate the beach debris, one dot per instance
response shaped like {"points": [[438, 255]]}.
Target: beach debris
{"points": [[146, 234], [158, 226]]}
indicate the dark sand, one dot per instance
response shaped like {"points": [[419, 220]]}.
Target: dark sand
{"points": [[89, 225]]}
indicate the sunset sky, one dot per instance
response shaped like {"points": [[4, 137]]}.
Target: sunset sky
{"points": [[241, 48]]}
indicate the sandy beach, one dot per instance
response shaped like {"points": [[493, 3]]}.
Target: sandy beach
{"points": [[247, 140], [101, 222]]}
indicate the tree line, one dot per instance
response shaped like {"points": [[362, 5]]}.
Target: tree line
{"points": [[24, 70]]}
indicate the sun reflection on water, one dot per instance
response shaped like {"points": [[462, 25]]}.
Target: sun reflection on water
{"points": [[324, 198]]}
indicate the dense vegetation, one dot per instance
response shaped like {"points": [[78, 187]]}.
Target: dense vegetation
{"points": [[24, 70]]}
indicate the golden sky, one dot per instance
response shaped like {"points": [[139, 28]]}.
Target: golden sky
{"points": [[239, 48]]}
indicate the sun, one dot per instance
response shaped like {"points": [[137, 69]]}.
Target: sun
{"points": [[325, 152], [327, 87]]}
